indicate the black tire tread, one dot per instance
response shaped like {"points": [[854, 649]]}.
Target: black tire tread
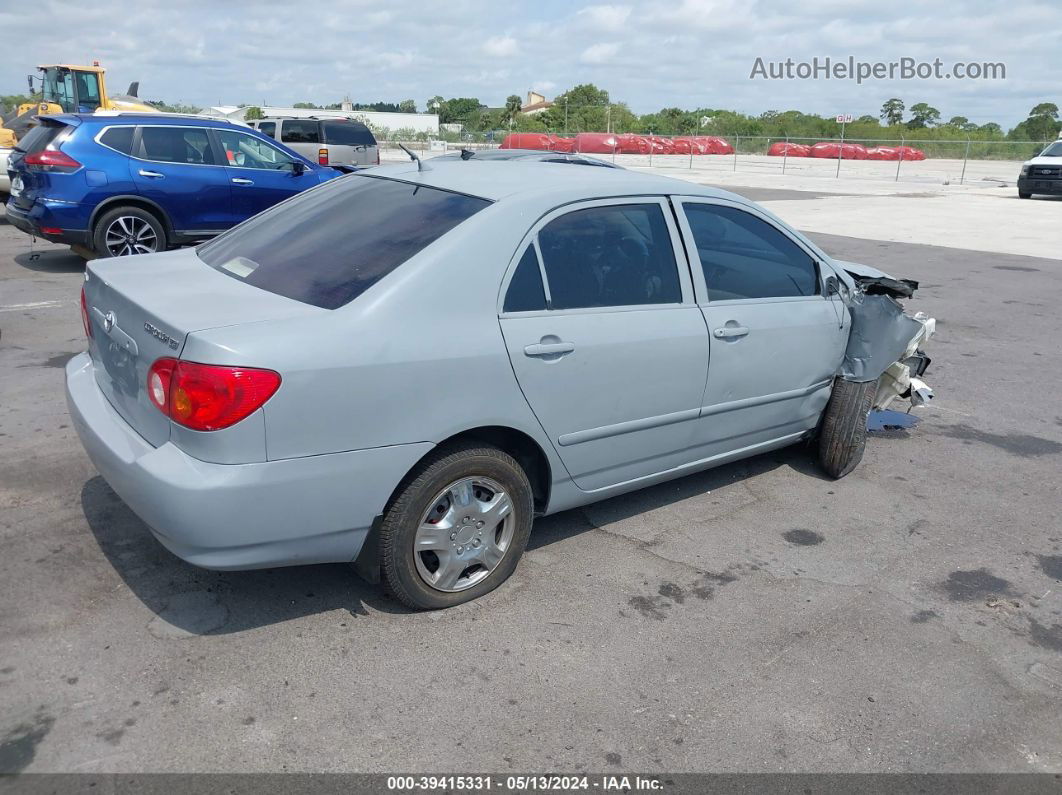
{"points": [[843, 437], [411, 490]]}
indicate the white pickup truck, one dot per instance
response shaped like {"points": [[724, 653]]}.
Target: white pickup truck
{"points": [[1042, 174]]}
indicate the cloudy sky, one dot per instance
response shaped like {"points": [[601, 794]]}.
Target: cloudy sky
{"points": [[648, 53]]}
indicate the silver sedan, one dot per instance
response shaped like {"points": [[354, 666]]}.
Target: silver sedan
{"points": [[404, 366]]}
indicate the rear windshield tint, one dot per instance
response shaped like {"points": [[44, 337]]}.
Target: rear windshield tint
{"points": [[327, 246], [347, 133], [39, 137]]}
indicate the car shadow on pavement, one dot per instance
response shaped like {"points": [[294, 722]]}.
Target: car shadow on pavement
{"points": [[187, 600], [190, 600], [798, 457], [51, 260]]}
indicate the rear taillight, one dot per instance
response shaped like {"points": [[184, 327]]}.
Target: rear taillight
{"points": [[208, 397], [322, 157], [52, 160], [85, 322]]}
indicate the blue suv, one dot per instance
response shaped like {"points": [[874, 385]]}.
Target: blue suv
{"points": [[121, 183]]}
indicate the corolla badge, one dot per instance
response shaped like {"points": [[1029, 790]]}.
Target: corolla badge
{"points": [[108, 321], [161, 336]]}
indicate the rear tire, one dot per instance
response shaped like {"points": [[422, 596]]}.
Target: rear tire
{"points": [[1023, 195], [843, 436], [124, 231], [478, 550]]}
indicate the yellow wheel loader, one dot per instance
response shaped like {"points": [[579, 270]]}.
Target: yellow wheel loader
{"points": [[62, 88], [65, 88]]}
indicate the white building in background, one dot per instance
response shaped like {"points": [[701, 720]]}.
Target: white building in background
{"points": [[418, 122]]}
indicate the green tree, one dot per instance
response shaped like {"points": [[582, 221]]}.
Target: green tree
{"points": [[252, 113], [958, 121], [580, 109], [991, 129], [407, 106], [892, 112], [868, 119], [308, 105], [923, 115], [513, 104], [1042, 122]]}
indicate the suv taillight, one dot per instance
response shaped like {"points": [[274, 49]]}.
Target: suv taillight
{"points": [[208, 397], [322, 156], [52, 160], [85, 322]]}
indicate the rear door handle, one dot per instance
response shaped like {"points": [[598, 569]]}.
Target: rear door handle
{"points": [[729, 332], [152, 174], [549, 349], [241, 181]]}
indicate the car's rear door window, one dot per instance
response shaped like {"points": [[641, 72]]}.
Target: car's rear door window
{"points": [[613, 255], [294, 131], [326, 246], [268, 127], [176, 145]]}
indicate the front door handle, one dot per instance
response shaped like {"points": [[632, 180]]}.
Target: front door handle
{"points": [[152, 174], [241, 181], [730, 332], [549, 349]]}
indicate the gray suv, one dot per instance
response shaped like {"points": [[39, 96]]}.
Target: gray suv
{"points": [[328, 141]]}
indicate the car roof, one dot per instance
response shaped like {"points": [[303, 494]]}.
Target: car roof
{"points": [[557, 183], [140, 117]]}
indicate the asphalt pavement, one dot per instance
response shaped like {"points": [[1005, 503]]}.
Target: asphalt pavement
{"points": [[755, 617]]}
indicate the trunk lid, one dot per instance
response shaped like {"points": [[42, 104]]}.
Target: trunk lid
{"points": [[143, 308]]}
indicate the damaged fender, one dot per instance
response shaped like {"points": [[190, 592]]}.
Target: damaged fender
{"points": [[885, 342]]}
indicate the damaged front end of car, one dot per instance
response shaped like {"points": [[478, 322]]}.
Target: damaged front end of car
{"points": [[885, 343]]}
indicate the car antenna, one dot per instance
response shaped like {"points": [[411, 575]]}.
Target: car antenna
{"points": [[467, 154], [413, 157]]}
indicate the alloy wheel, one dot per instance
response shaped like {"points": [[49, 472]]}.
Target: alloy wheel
{"points": [[128, 234]]}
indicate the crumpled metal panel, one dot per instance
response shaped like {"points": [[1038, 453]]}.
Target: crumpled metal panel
{"points": [[881, 333]]}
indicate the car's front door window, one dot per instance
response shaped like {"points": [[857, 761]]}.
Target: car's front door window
{"points": [[249, 151], [745, 257]]}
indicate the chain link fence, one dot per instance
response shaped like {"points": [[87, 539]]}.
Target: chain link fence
{"points": [[959, 161]]}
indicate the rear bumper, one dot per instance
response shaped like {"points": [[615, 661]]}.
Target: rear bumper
{"points": [[316, 509], [61, 217], [1041, 185]]}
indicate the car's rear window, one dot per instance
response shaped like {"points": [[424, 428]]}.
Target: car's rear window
{"points": [[327, 246], [347, 133], [39, 137]]}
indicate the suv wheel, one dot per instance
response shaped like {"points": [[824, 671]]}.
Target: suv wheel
{"points": [[457, 527], [124, 231]]}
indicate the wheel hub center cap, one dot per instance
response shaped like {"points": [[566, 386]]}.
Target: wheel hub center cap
{"points": [[465, 534]]}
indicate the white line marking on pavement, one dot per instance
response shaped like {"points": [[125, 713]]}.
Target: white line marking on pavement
{"points": [[35, 305]]}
